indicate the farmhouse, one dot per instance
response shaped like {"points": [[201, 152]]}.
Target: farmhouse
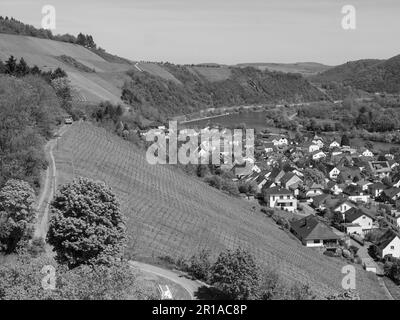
{"points": [[313, 233], [389, 245], [281, 198]]}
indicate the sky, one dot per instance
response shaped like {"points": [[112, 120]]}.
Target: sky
{"points": [[225, 31]]}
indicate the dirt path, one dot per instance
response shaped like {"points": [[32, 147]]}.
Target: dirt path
{"points": [[189, 285], [48, 188]]}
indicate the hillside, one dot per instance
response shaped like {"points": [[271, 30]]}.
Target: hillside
{"points": [[369, 75], [103, 84], [172, 214], [304, 68], [176, 89]]}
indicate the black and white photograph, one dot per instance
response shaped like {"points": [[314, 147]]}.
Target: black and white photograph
{"points": [[200, 158]]}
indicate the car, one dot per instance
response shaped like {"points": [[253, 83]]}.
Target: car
{"points": [[68, 121]]}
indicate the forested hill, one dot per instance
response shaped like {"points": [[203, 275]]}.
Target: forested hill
{"points": [[369, 75], [190, 88]]}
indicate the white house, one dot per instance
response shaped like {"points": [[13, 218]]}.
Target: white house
{"points": [[316, 155], [313, 233], [334, 144], [280, 141], [343, 206], [389, 245], [367, 153], [333, 173], [357, 217], [277, 197]]}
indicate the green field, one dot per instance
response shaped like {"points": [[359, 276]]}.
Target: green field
{"points": [[172, 214]]}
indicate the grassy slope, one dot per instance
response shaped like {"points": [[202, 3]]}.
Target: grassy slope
{"points": [[103, 85], [172, 214]]}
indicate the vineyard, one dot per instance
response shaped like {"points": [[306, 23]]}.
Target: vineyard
{"points": [[169, 213]]}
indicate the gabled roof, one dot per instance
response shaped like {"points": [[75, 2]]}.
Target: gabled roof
{"points": [[353, 214], [310, 228], [288, 176], [277, 191], [377, 186], [386, 238], [391, 192], [352, 190], [320, 199]]}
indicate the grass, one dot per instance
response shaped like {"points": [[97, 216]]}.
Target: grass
{"points": [[169, 213], [393, 288]]}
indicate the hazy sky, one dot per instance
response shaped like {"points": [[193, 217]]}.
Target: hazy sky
{"points": [[226, 31]]}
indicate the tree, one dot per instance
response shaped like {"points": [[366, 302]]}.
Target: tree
{"points": [[345, 141], [22, 69], [87, 225], [236, 274], [11, 65], [312, 175], [17, 214]]}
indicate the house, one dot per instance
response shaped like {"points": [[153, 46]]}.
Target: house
{"points": [[281, 198], [269, 147], [379, 169], [342, 206], [318, 141], [389, 245], [393, 219], [376, 189], [390, 195], [313, 233], [316, 155], [334, 144], [333, 172], [364, 184], [314, 190], [357, 221], [355, 193], [280, 141], [334, 188], [366, 153], [291, 181], [396, 180], [310, 147], [348, 174], [319, 202]]}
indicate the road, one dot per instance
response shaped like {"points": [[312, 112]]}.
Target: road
{"points": [[190, 286], [48, 187]]}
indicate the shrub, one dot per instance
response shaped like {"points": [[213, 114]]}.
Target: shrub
{"points": [[87, 225], [200, 265], [17, 215], [236, 274]]}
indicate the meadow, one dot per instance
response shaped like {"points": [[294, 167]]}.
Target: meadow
{"points": [[171, 214]]}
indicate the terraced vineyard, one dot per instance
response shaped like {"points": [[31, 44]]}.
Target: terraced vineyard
{"points": [[172, 214]]}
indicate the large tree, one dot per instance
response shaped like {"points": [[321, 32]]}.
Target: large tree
{"points": [[87, 225], [236, 274], [17, 214]]}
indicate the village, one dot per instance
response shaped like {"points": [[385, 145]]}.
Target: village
{"points": [[333, 197]]}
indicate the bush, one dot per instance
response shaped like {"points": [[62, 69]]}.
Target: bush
{"points": [[236, 274], [87, 225], [17, 215], [200, 265]]}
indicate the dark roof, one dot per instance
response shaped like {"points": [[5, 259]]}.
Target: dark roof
{"points": [[377, 186], [352, 190], [310, 228], [353, 214], [277, 190], [287, 177], [391, 192], [320, 199], [386, 238]]}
